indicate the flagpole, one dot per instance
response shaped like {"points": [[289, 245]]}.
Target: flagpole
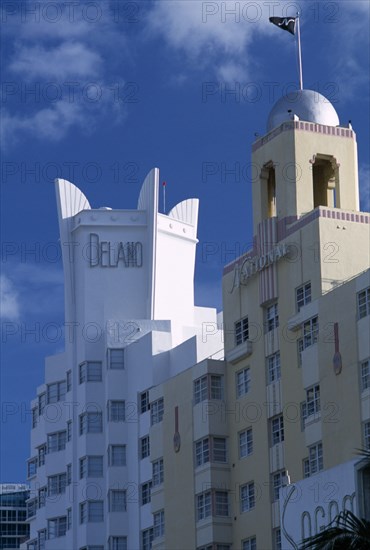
{"points": [[164, 197], [299, 53]]}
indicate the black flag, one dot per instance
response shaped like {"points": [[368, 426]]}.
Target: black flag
{"points": [[285, 23]]}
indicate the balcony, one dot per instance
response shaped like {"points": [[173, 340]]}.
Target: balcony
{"points": [[239, 352]]}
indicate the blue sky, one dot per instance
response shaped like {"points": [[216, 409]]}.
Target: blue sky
{"points": [[101, 92]]}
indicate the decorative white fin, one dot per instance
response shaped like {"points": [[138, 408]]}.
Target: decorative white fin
{"points": [[186, 211], [148, 198], [70, 199]]}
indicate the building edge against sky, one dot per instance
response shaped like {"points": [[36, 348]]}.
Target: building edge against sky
{"points": [[141, 436]]}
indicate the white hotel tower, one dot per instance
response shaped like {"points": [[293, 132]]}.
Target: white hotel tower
{"points": [[131, 325]]}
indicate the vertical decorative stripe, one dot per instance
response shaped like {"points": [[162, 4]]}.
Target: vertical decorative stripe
{"points": [[266, 240]]}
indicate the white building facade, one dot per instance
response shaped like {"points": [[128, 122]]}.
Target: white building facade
{"points": [[131, 324]]}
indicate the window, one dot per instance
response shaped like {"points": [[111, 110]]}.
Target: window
{"points": [[277, 539], [303, 295], [144, 447], [91, 466], [243, 382], [57, 441], [92, 511], [247, 497], [41, 455], [210, 448], [32, 467], [208, 387], [69, 380], [245, 443], [147, 538], [42, 494], [363, 303], [69, 430], [221, 503], [91, 423], [116, 411], [367, 435], [144, 402], [306, 468], [278, 480], [315, 459], [313, 400], [90, 371], [69, 474], [310, 332], [117, 455], [272, 317], [249, 544], [42, 403], [204, 505], [241, 331], [31, 508], [41, 538], [57, 484], [145, 495], [57, 527], [117, 500], [273, 368], [35, 415], [365, 374], [158, 530], [156, 411], [116, 359], [277, 430], [117, 543], [56, 392], [157, 468]]}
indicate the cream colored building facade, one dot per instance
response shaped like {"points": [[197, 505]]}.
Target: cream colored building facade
{"points": [[291, 400]]}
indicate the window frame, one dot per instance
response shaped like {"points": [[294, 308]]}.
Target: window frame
{"points": [[306, 295], [241, 331], [247, 444]]}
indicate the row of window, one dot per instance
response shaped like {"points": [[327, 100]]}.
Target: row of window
{"points": [[114, 543]]}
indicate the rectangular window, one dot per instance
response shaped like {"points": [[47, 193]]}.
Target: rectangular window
{"points": [[365, 374], [277, 430], [90, 371], [32, 467], [69, 380], [41, 538], [42, 494], [278, 479], [209, 386], [218, 449], [245, 443], [158, 530], [158, 472], [144, 447], [145, 495], [116, 411], [117, 455], [221, 503], [117, 500], [277, 539], [91, 423], [57, 441], [202, 452], [144, 402], [367, 435], [315, 456], [247, 497], [35, 415], [69, 430], [204, 505], [147, 538], [273, 368], [243, 382], [249, 544], [156, 411], [313, 400], [56, 392], [92, 511], [57, 527], [306, 468], [117, 543], [57, 484], [303, 295], [116, 358], [31, 508], [363, 303], [272, 317], [210, 448], [241, 331], [310, 332], [41, 455], [42, 403]]}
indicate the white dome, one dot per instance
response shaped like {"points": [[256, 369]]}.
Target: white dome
{"points": [[308, 105]]}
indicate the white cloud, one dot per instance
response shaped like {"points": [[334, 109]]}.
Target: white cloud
{"points": [[64, 61], [9, 299], [364, 183]]}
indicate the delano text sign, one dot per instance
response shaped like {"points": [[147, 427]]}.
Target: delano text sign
{"points": [[108, 254]]}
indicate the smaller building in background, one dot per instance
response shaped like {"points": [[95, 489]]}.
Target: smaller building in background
{"points": [[13, 527]]}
